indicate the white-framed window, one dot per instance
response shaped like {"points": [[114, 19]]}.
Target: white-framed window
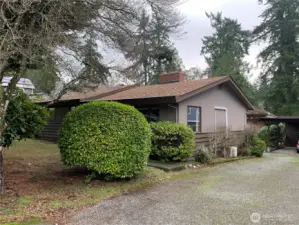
{"points": [[194, 118]]}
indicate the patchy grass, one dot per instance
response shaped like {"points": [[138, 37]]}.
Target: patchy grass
{"points": [[39, 187], [29, 222]]}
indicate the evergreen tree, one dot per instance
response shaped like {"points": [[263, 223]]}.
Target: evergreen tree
{"points": [[225, 50], [152, 52], [280, 30], [165, 55], [94, 70]]}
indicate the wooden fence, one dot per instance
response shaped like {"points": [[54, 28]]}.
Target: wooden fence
{"points": [[50, 133], [238, 138]]}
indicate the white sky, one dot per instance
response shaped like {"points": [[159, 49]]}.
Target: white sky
{"points": [[245, 11]]}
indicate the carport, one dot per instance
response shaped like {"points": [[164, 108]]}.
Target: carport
{"points": [[292, 127]]}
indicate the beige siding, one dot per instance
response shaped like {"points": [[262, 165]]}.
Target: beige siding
{"points": [[168, 113], [216, 98]]}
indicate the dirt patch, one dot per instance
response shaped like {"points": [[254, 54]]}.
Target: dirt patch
{"points": [[38, 185]]}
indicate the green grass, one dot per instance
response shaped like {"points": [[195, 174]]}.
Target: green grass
{"points": [[29, 222], [23, 201], [39, 186], [48, 190]]}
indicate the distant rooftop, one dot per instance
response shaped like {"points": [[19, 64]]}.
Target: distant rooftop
{"points": [[23, 83]]}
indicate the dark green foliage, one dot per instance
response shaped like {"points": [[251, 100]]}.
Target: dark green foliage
{"points": [[279, 80], [153, 52], [225, 50], [203, 155], [258, 147], [93, 65], [273, 135], [24, 119], [264, 134], [171, 141], [109, 138]]}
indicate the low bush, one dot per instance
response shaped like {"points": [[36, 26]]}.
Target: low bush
{"points": [[258, 148], [108, 138], [243, 151], [264, 134], [203, 155], [274, 136], [24, 119], [244, 146], [171, 141]]}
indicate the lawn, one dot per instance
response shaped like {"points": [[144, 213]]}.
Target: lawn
{"points": [[40, 188]]}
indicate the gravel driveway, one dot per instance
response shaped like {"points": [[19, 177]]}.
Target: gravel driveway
{"points": [[226, 194]]}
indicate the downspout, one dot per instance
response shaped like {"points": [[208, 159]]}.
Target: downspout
{"points": [[176, 112]]}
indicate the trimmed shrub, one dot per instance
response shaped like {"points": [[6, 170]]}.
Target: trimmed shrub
{"points": [[274, 136], [258, 148], [109, 138], [203, 155], [171, 141], [264, 134]]}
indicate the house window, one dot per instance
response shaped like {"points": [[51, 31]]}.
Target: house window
{"points": [[194, 118], [151, 114]]}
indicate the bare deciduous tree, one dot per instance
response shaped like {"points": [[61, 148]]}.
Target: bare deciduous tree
{"points": [[34, 30]]}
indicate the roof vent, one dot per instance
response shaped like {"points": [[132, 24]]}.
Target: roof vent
{"points": [[172, 77]]}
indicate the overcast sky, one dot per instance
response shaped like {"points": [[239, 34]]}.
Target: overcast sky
{"points": [[246, 11]]}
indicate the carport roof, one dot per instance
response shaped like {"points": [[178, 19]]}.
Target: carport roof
{"points": [[284, 119]]}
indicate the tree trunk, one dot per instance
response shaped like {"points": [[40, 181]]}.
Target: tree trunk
{"points": [[5, 98], [1, 172], [3, 109], [3, 105]]}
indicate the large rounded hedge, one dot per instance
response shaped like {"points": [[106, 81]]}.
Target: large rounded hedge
{"points": [[107, 137], [171, 141]]}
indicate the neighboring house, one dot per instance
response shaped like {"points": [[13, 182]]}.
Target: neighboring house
{"points": [[202, 104], [24, 84]]}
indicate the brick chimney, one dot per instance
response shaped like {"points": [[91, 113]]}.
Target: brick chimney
{"points": [[172, 77]]}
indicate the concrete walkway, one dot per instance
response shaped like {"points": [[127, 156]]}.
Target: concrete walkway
{"points": [[258, 191]]}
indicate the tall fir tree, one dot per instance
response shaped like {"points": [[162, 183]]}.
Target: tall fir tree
{"points": [[225, 50], [93, 65], [152, 52], [280, 30]]}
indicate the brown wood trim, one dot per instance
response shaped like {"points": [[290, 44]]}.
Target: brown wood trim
{"points": [[148, 101]]}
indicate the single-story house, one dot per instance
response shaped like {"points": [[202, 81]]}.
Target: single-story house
{"points": [[202, 104]]}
